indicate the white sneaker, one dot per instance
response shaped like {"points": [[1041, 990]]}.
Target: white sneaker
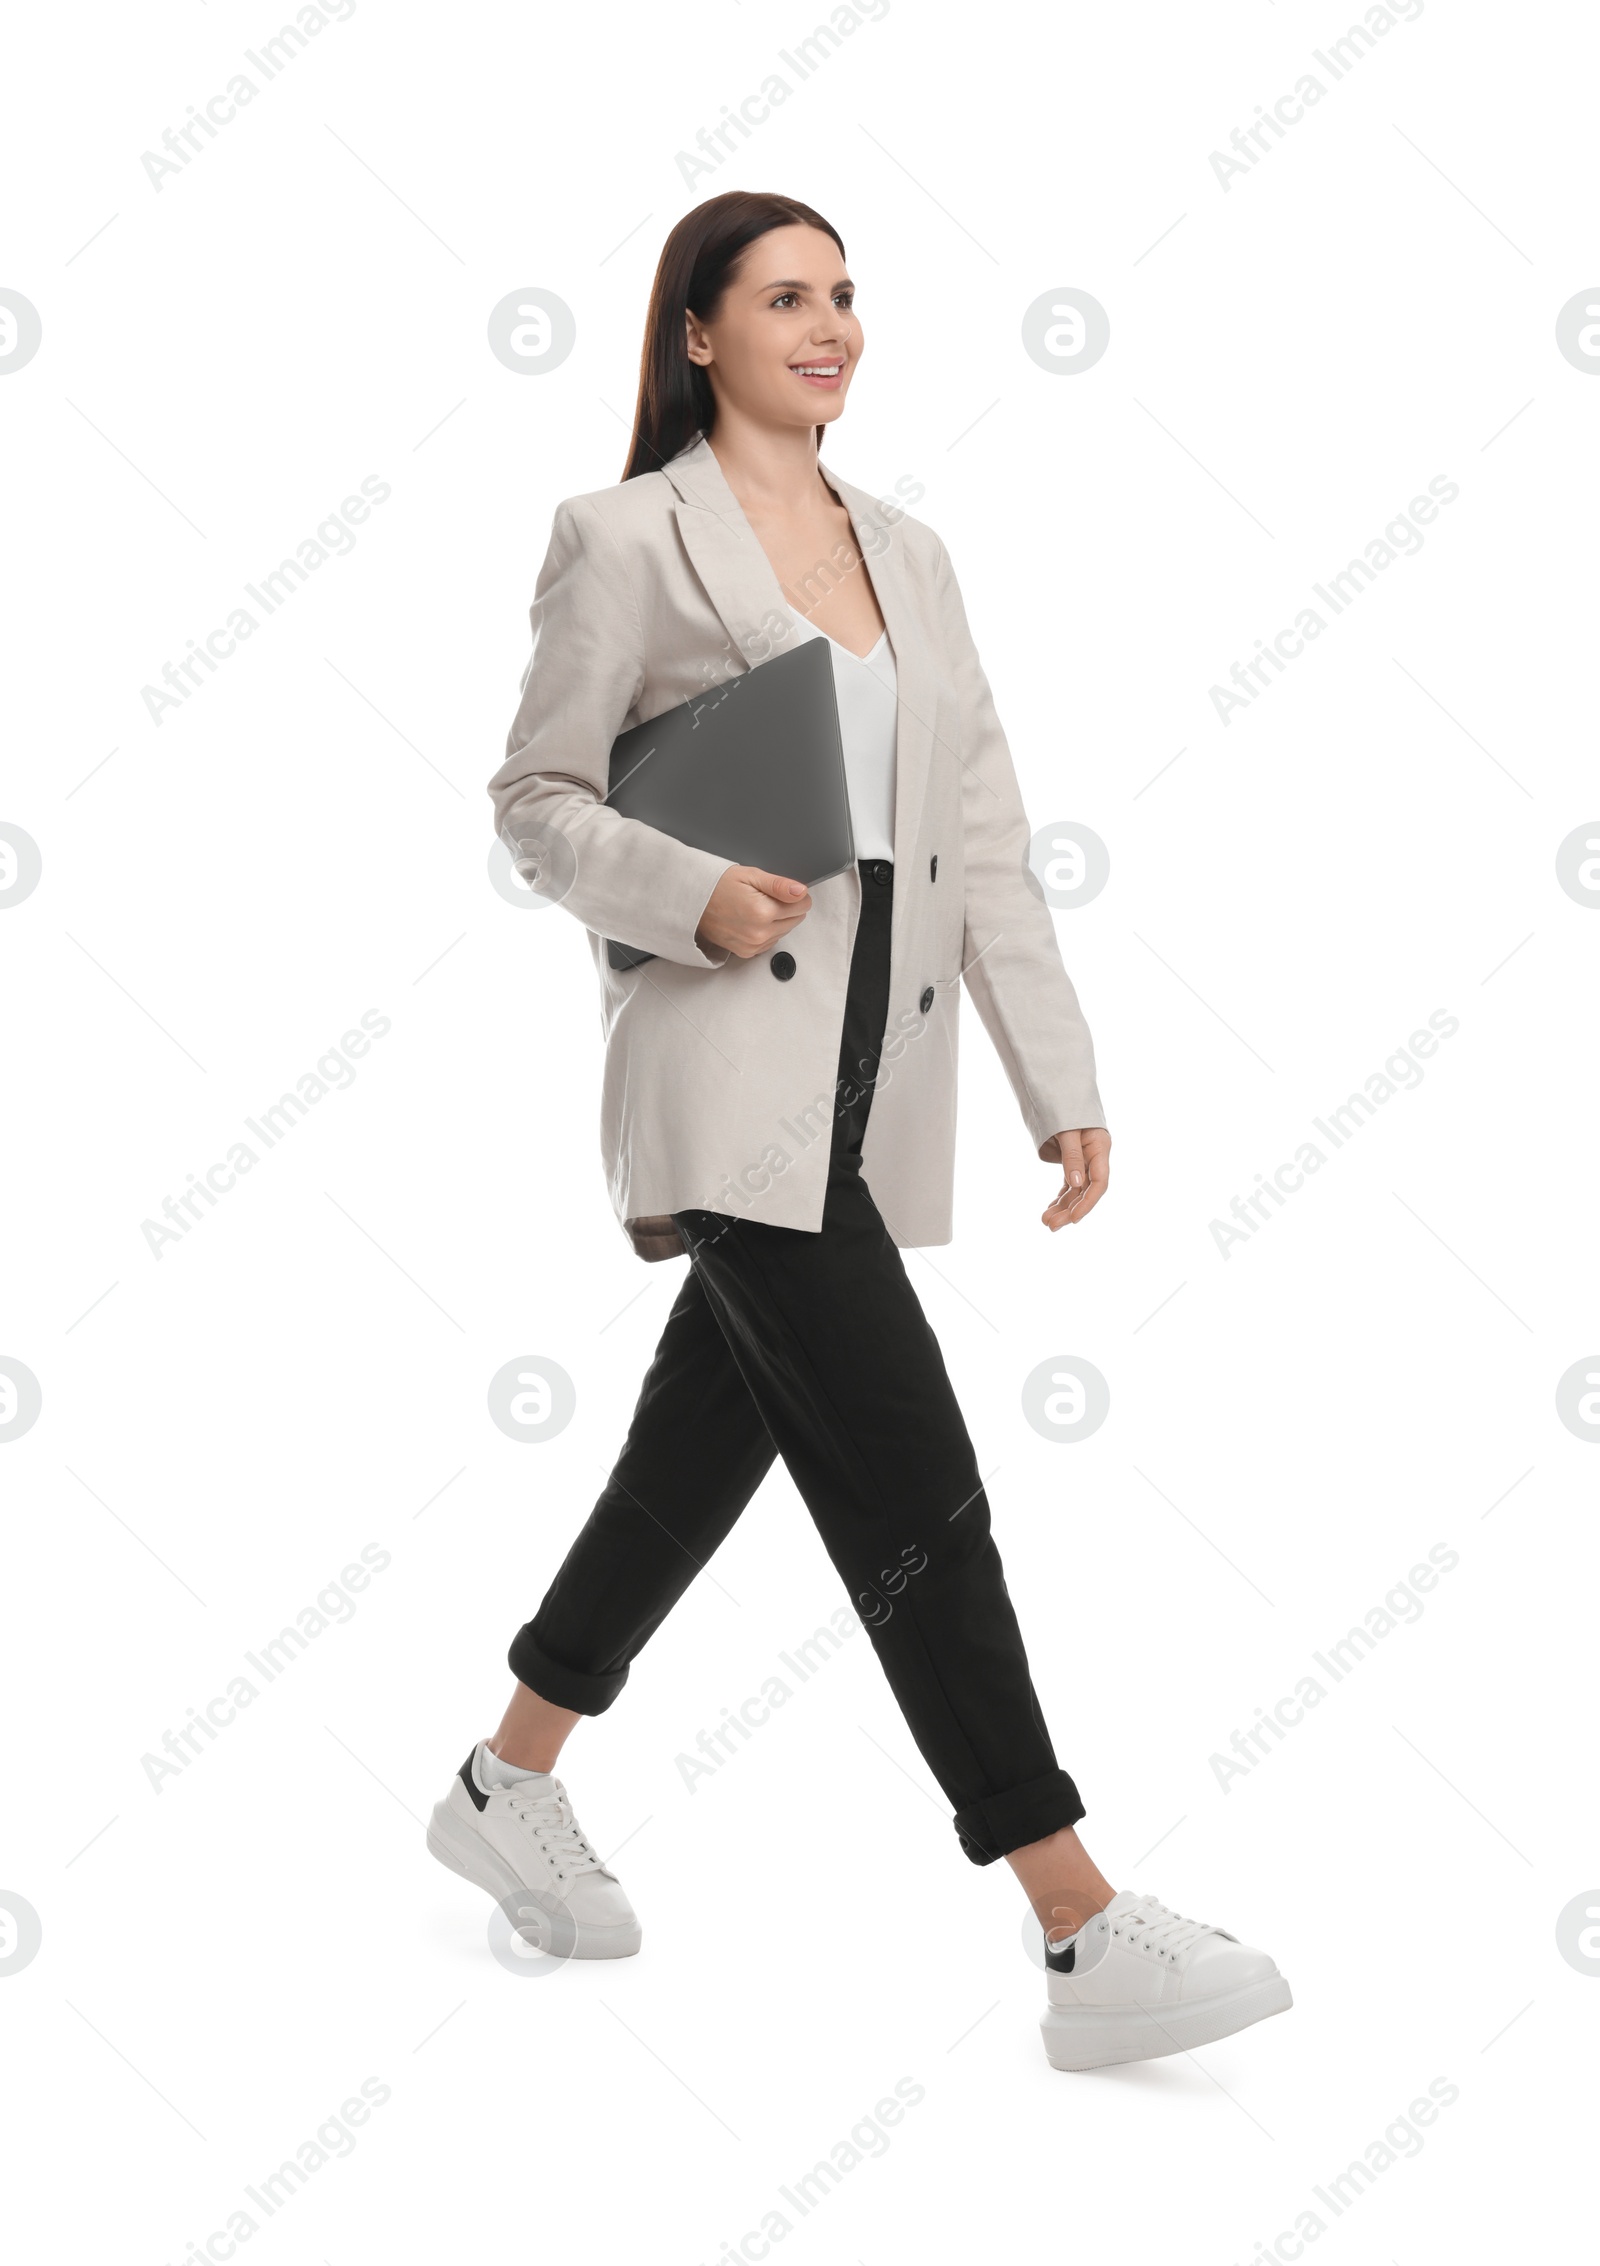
{"points": [[1139, 1980], [523, 1841]]}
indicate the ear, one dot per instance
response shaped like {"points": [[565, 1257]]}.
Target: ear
{"points": [[695, 340]]}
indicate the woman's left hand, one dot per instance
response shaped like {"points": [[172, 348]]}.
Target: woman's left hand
{"points": [[1085, 1176]]}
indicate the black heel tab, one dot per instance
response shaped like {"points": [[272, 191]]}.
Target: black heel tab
{"points": [[479, 1801]]}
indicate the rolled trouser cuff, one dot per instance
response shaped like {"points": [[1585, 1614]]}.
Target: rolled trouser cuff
{"points": [[1000, 1823], [562, 1686]]}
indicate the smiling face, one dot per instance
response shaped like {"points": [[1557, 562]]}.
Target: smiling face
{"points": [[783, 346]]}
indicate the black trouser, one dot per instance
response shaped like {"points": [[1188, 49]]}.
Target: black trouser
{"points": [[814, 1346]]}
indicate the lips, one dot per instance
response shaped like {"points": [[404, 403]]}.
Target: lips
{"points": [[825, 373]]}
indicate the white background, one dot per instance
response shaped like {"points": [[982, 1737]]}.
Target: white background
{"points": [[1292, 1427]]}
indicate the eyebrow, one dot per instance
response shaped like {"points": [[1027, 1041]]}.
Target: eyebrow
{"points": [[798, 283]]}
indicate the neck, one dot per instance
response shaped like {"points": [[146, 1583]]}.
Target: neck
{"points": [[770, 468]]}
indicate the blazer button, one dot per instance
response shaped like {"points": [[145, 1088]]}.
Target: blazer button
{"points": [[782, 966], [927, 999], [933, 867]]}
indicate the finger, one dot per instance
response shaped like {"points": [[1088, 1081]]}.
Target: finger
{"points": [[1058, 1212], [775, 884], [1084, 1202], [1074, 1173], [1067, 1207], [1098, 1166]]}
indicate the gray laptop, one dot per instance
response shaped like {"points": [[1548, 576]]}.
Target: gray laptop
{"points": [[752, 770]]}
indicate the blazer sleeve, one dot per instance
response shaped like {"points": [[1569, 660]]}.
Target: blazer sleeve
{"points": [[1011, 961], [620, 878]]}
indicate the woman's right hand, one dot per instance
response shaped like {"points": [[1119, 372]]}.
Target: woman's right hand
{"points": [[749, 910]]}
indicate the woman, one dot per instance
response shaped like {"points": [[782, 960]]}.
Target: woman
{"points": [[779, 1104]]}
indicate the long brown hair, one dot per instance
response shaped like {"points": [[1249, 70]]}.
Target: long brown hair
{"points": [[697, 262]]}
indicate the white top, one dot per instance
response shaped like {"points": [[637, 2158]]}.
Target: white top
{"points": [[867, 691]]}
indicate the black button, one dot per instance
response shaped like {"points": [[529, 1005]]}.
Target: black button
{"points": [[927, 999], [882, 871], [933, 867], [782, 965]]}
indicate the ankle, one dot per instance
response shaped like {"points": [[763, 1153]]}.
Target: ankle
{"points": [[1061, 1881], [532, 1731], [1064, 1911]]}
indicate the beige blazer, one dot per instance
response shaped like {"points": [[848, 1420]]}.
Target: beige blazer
{"points": [[720, 1080]]}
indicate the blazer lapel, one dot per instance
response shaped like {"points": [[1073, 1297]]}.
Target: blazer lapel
{"points": [[738, 578], [726, 554]]}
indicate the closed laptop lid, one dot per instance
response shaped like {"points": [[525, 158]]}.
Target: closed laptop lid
{"points": [[752, 769]]}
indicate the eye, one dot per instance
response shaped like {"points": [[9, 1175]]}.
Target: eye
{"points": [[784, 298], [844, 299]]}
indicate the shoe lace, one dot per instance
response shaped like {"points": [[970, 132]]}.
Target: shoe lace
{"points": [[548, 1817], [1154, 1926]]}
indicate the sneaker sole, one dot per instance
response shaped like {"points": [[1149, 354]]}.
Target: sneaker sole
{"points": [[464, 1853], [1095, 2038]]}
